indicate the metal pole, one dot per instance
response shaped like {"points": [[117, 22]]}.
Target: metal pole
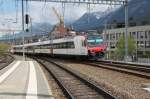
{"points": [[126, 30], [105, 33], [136, 47], [31, 29], [105, 30], [13, 39], [23, 29]]}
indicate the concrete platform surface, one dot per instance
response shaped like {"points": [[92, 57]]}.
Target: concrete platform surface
{"points": [[24, 80]]}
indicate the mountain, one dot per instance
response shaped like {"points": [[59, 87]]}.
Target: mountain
{"points": [[37, 29], [138, 13], [40, 29], [88, 21]]}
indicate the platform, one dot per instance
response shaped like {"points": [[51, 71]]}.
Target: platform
{"points": [[24, 80]]}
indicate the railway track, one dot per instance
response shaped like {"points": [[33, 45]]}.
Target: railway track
{"points": [[132, 65], [138, 70], [72, 83], [5, 62]]}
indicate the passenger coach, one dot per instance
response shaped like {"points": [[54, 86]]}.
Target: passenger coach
{"points": [[73, 46]]}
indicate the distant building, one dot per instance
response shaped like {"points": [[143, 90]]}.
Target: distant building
{"points": [[141, 34]]}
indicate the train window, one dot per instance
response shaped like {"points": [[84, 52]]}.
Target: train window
{"points": [[36, 47], [69, 45], [39, 47], [149, 34], [107, 36], [50, 46], [63, 45], [29, 47], [60, 45], [43, 47], [55, 46], [72, 45], [146, 34], [94, 41]]}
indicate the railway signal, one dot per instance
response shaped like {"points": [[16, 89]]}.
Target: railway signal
{"points": [[27, 19]]}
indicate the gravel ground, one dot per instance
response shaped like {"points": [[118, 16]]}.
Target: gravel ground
{"points": [[56, 91], [122, 85]]}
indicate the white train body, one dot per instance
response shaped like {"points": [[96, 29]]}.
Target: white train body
{"points": [[69, 46]]}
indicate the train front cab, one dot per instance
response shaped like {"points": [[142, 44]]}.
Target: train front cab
{"points": [[96, 47]]}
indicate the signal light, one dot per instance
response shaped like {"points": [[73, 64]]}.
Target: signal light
{"points": [[27, 19]]}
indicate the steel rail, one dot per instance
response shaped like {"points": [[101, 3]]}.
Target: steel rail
{"points": [[76, 75], [137, 71], [135, 67]]}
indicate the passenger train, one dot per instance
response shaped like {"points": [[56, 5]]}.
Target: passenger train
{"points": [[80, 46]]}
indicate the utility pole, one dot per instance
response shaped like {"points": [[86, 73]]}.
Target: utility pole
{"points": [[13, 41], [31, 30], [23, 29], [104, 34], [126, 30]]}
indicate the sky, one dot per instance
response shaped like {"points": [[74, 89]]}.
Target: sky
{"points": [[10, 17]]}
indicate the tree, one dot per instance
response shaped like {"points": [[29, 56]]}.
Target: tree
{"points": [[120, 50]]}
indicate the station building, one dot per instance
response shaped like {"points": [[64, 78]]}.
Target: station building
{"points": [[141, 35]]}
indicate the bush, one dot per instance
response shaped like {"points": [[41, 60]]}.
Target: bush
{"points": [[4, 48]]}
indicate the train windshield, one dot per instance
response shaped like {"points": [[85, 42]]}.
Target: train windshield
{"points": [[94, 41]]}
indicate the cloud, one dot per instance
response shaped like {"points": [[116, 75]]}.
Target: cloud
{"points": [[9, 22], [42, 12]]}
